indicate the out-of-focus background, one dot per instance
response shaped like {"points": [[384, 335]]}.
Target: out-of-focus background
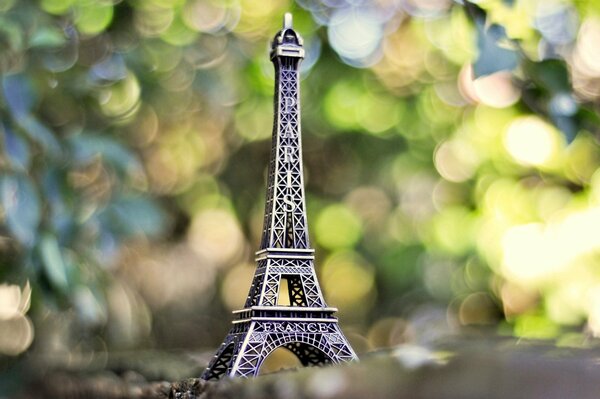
{"points": [[451, 160]]}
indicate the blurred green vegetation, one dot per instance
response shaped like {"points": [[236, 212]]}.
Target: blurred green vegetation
{"points": [[451, 156]]}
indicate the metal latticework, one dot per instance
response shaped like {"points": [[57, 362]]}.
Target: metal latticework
{"points": [[285, 306]]}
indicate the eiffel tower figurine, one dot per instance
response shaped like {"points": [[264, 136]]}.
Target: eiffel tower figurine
{"points": [[285, 306]]}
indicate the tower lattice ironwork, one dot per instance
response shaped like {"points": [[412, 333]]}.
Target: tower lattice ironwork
{"points": [[285, 306]]}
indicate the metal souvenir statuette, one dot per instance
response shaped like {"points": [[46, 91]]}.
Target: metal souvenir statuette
{"points": [[296, 318]]}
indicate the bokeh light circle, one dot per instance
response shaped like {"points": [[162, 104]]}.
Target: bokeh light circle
{"points": [[355, 34], [531, 141]]}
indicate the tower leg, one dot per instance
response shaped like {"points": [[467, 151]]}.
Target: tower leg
{"points": [[314, 343], [308, 355], [220, 364]]}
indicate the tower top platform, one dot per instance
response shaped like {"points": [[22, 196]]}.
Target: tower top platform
{"points": [[287, 42]]}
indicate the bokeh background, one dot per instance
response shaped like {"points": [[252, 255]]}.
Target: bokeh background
{"points": [[451, 160]]}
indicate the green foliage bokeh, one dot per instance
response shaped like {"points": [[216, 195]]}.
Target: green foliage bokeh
{"points": [[136, 132]]}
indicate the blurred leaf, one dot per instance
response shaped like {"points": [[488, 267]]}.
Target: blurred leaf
{"points": [[553, 94], [106, 246], [550, 74], [47, 37], [52, 259], [495, 52], [88, 84], [588, 119], [110, 69], [56, 6], [178, 34], [59, 197], [536, 326], [566, 125], [86, 147], [493, 58], [341, 104], [16, 149], [563, 108], [399, 268], [18, 94], [337, 227], [21, 207], [90, 305], [93, 16], [61, 59], [134, 216], [11, 36], [40, 134]]}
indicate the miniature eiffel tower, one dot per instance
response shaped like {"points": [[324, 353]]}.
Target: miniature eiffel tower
{"points": [[285, 306]]}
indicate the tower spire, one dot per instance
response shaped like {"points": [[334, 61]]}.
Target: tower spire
{"points": [[287, 20], [296, 318]]}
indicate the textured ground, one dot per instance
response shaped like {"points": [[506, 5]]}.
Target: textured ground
{"points": [[465, 368]]}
